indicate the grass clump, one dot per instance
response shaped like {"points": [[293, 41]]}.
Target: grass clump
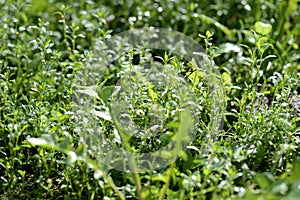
{"points": [[44, 47]]}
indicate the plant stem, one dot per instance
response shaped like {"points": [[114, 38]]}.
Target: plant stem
{"points": [[166, 186]]}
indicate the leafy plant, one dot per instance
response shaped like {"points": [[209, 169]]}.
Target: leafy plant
{"points": [[47, 46]]}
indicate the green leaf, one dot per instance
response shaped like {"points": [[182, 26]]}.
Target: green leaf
{"points": [[226, 78], [260, 153], [64, 145], [22, 173], [80, 151], [151, 92], [37, 141], [264, 180], [45, 140], [101, 114], [105, 92], [262, 28], [146, 193], [72, 157]]}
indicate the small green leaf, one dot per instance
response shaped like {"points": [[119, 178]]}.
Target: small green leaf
{"points": [[166, 57], [146, 193], [22, 173], [260, 153], [262, 28], [105, 92], [208, 33], [226, 78], [80, 151], [152, 94]]}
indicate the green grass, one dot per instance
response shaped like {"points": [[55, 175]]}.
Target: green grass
{"points": [[45, 46]]}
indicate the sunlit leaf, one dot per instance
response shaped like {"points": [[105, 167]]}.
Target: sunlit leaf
{"points": [[262, 28], [72, 157], [37, 141], [101, 114]]}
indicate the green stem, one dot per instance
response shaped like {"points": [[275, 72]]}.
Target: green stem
{"points": [[167, 184], [132, 164], [107, 178]]}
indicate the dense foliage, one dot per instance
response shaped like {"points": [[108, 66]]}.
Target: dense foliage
{"points": [[255, 44]]}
